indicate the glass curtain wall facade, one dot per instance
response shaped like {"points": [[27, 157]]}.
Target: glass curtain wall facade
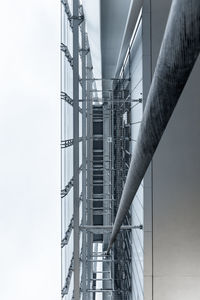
{"points": [[99, 131], [73, 143], [100, 122], [78, 91], [129, 249]]}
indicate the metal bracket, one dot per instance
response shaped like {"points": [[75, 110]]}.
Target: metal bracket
{"points": [[65, 241], [79, 18], [85, 50], [68, 143], [65, 289], [65, 49], [90, 69], [68, 12], [68, 187], [69, 100], [66, 98]]}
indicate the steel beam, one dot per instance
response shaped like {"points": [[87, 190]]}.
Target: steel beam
{"points": [[179, 51], [102, 291], [124, 227]]}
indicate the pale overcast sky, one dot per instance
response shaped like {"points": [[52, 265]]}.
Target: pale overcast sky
{"points": [[29, 152]]}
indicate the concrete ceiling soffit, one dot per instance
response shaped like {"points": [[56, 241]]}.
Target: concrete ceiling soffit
{"points": [[92, 14], [114, 15]]}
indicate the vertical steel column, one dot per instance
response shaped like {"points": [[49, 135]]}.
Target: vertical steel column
{"points": [[107, 284], [89, 166], [113, 185], [84, 158], [76, 146], [106, 167], [94, 269]]}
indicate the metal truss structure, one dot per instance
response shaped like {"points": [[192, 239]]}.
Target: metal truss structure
{"points": [[95, 151]]}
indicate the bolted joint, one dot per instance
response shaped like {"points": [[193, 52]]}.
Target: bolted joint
{"points": [[80, 19]]}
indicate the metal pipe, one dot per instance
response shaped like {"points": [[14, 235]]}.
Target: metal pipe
{"points": [[179, 51]]}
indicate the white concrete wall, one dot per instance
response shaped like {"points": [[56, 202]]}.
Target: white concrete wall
{"points": [[147, 182], [176, 187]]}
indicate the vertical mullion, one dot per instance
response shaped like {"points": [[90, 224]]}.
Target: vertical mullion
{"points": [[89, 165], [76, 146], [61, 136], [84, 157]]}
